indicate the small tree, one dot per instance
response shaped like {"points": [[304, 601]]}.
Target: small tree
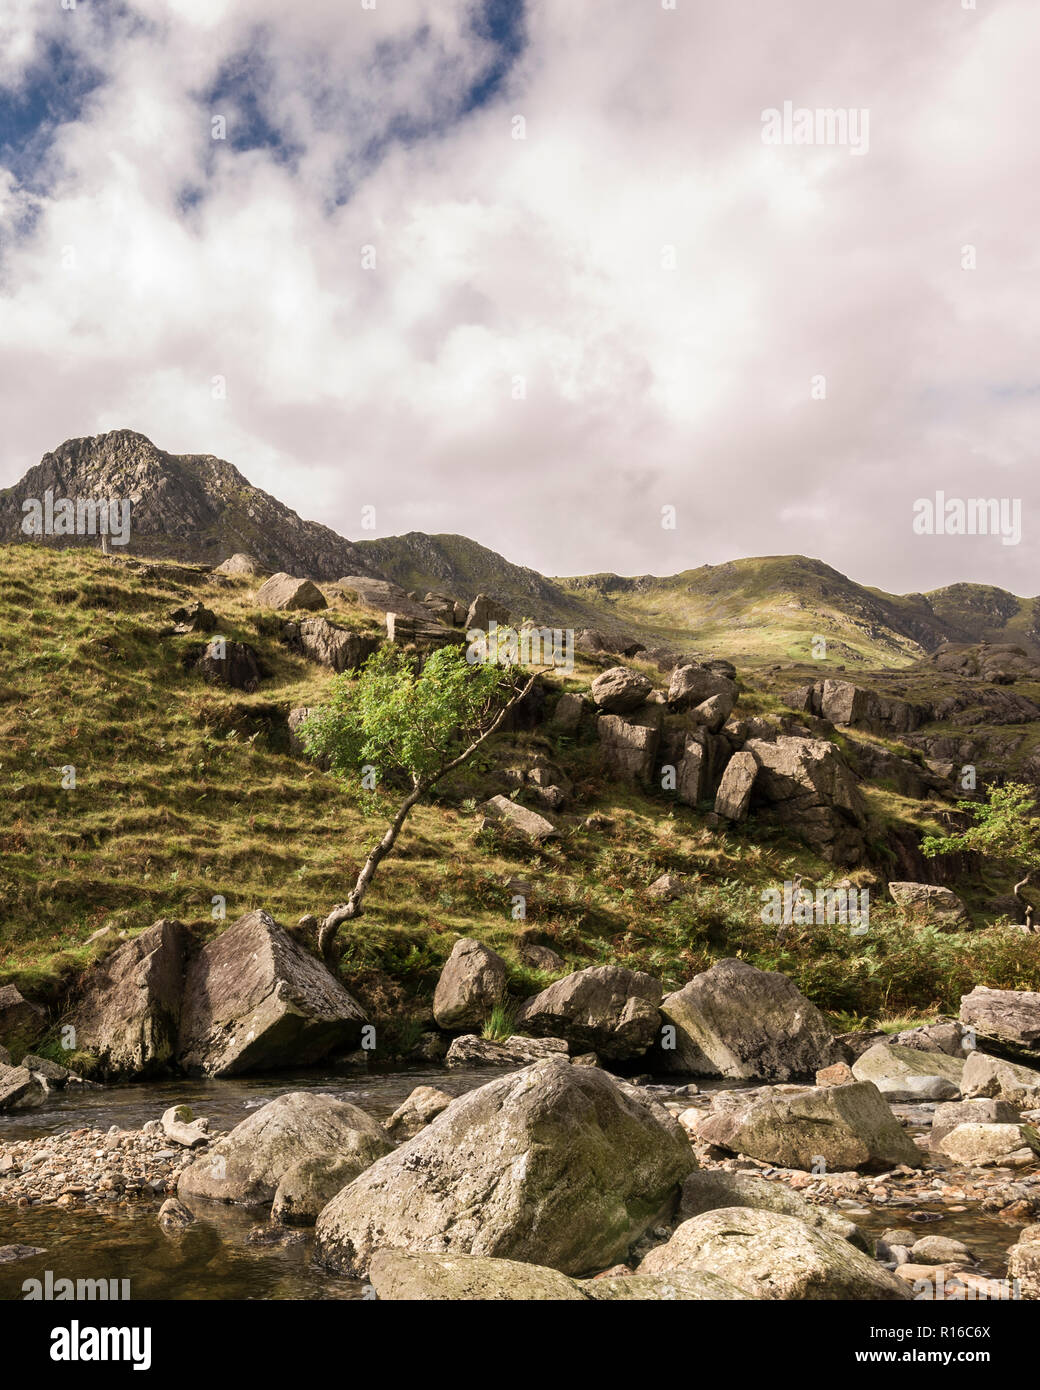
{"points": [[1006, 828], [416, 725]]}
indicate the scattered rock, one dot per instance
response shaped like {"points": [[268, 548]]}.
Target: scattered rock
{"points": [[605, 1009], [283, 591], [737, 1021], [519, 818], [936, 905], [471, 983], [773, 1256], [254, 999], [554, 1165]]}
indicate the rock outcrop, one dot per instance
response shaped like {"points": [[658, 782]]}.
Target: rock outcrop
{"points": [[255, 1000]]}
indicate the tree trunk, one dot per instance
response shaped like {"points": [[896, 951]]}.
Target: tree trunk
{"points": [[345, 912]]}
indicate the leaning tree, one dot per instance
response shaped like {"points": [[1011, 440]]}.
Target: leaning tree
{"points": [[399, 722], [1006, 828]]}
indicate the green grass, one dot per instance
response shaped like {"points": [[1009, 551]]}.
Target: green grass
{"points": [[185, 792]]}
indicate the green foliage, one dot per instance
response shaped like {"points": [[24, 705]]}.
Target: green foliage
{"points": [[401, 721], [1006, 827]]}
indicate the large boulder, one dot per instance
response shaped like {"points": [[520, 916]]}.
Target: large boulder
{"points": [[234, 664], [902, 1073], [1024, 1268], [328, 645], [807, 786], [989, 1143], [677, 1285], [773, 1256], [981, 1111], [841, 1126], [1009, 1018], [554, 1165], [743, 1023], [484, 611], [21, 1022], [240, 564], [708, 1189], [412, 1277], [933, 904], [605, 1009], [129, 1009], [693, 770], [993, 1077], [519, 818], [283, 591], [256, 1000], [472, 982], [247, 1165], [619, 690], [734, 795], [629, 745], [383, 596], [20, 1089], [691, 685], [567, 715], [471, 1051]]}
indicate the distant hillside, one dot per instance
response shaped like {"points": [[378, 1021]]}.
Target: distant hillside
{"points": [[188, 506], [197, 507]]}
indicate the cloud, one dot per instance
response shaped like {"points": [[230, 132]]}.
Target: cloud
{"points": [[542, 341]]}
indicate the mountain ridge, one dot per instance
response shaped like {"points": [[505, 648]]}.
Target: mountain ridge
{"points": [[197, 507]]}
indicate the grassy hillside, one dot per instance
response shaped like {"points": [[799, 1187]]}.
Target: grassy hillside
{"points": [[185, 791]]}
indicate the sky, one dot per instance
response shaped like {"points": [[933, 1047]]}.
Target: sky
{"points": [[543, 273]]}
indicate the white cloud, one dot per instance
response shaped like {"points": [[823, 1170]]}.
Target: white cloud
{"points": [[546, 258]]}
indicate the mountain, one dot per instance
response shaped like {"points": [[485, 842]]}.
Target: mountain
{"points": [[189, 506], [772, 608]]}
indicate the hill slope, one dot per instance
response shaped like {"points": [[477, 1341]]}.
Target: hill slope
{"points": [[200, 508]]}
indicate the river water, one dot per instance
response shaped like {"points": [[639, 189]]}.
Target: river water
{"points": [[213, 1258]]}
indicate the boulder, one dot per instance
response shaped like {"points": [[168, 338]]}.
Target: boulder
{"points": [[839, 1074], [234, 664], [567, 715], [806, 785], [991, 1076], [938, 906], [442, 606], [734, 795], [283, 591], [472, 982], [179, 1125], [1008, 1017], [841, 1126], [605, 1009], [773, 1256], [554, 1165], [336, 647], [692, 772], [406, 1276], [20, 1089], [21, 1022], [1024, 1268], [709, 1189], [519, 818], [471, 1051], [383, 597], [677, 1285], [982, 1144], [423, 1105], [619, 690], [247, 1165], [309, 1184], [129, 1008], [736, 1021], [982, 1111], [629, 746], [423, 633], [945, 1037], [714, 711], [666, 888], [193, 617], [903, 1073], [254, 999], [691, 685], [483, 611], [240, 563]]}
